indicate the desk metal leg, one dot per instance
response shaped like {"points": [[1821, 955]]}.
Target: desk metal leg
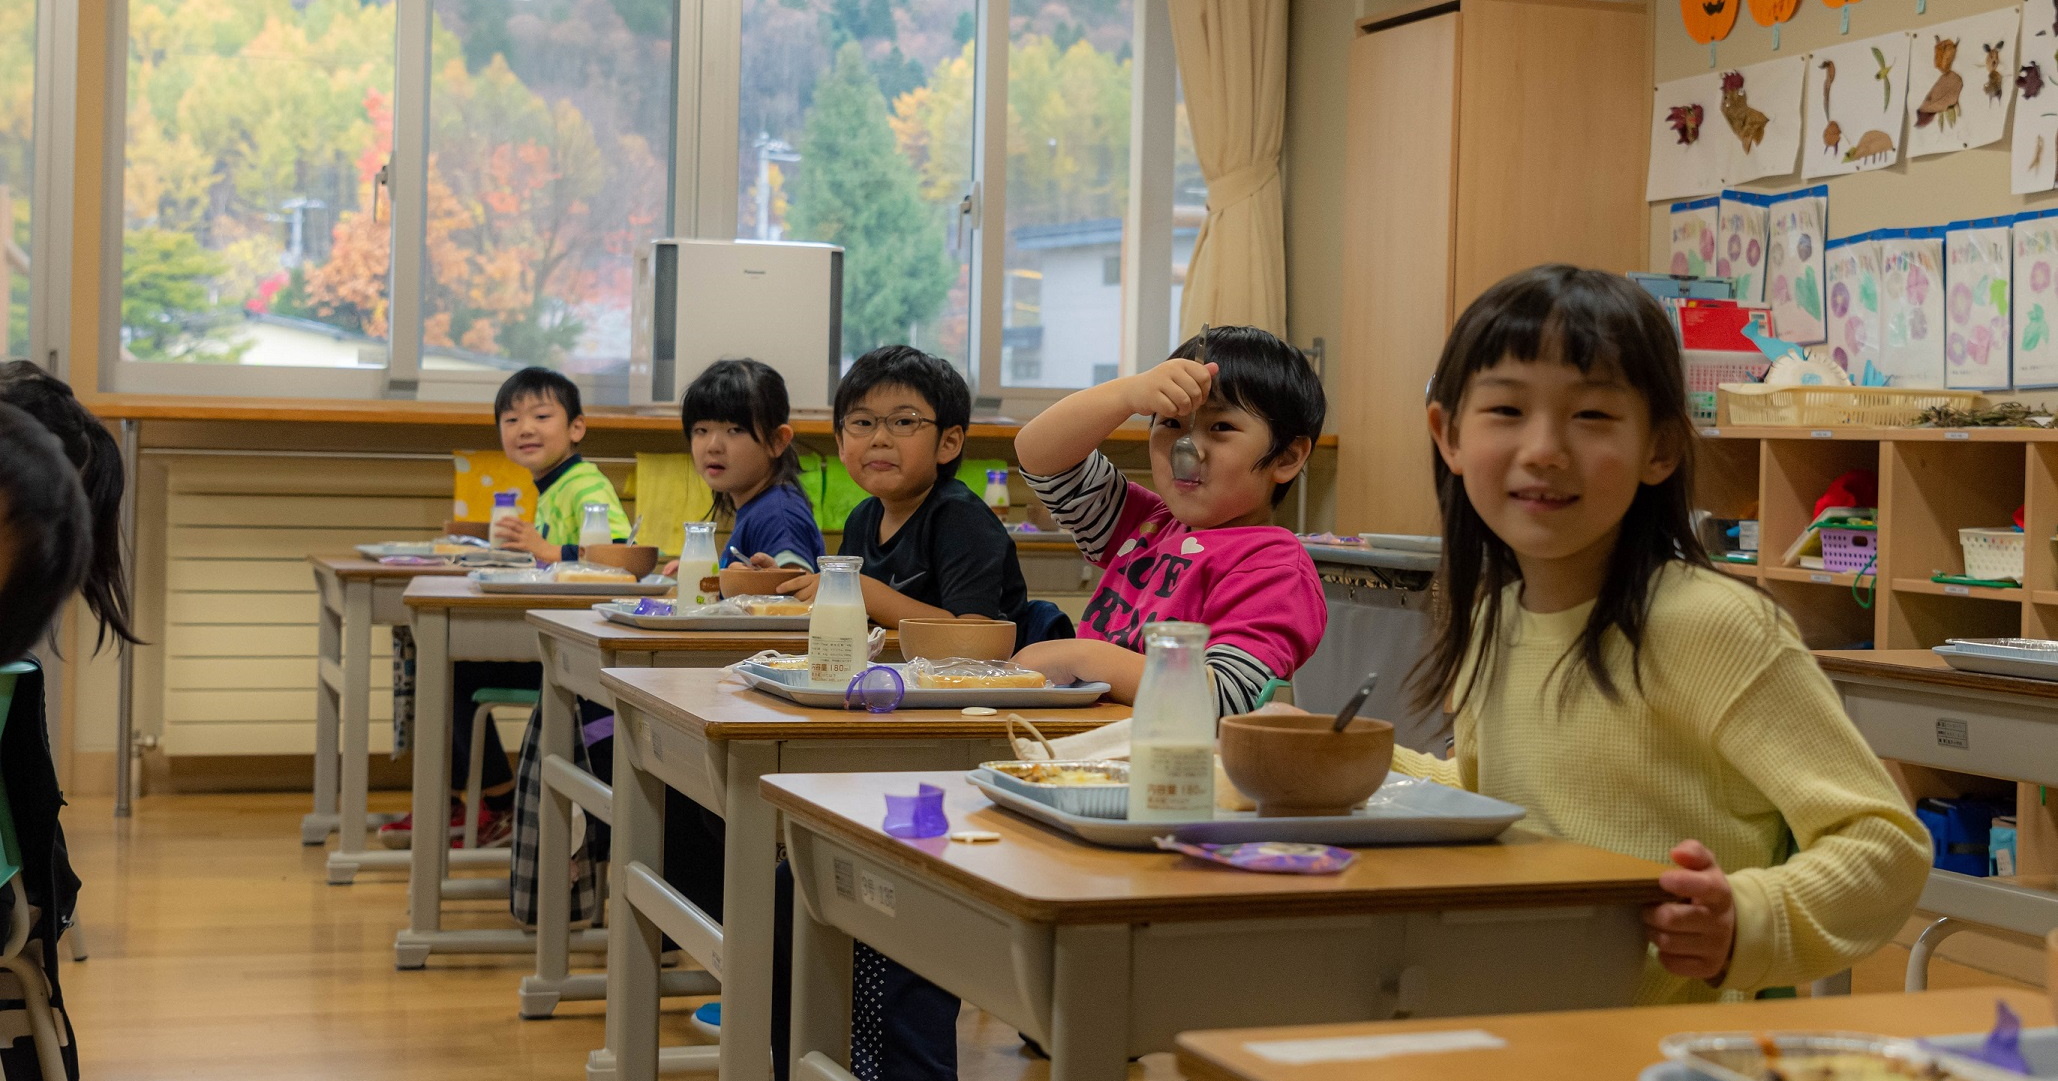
{"points": [[555, 731], [1926, 946], [1089, 1021], [316, 826], [356, 720], [750, 858], [633, 940], [429, 854]]}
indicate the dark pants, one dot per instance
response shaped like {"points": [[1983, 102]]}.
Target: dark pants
{"points": [[468, 678]]}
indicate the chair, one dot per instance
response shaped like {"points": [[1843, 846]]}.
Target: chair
{"points": [[1043, 621], [35, 991], [485, 698]]}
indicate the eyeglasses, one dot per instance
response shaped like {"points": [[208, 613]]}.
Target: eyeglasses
{"points": [[899, 425]]}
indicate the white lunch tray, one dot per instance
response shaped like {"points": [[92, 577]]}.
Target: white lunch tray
{"points": [[1405, 811], [794, 686], [624, 613], [1995, 663], [532, 581], [396, 548]]}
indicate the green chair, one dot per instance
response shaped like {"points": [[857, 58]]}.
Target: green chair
{"points": [[35, 989], [485, 698]]}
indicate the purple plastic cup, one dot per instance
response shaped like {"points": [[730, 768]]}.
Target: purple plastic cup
{"points": [[919, 815]]}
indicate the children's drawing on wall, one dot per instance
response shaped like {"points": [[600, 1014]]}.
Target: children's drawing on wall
{"points": [[1911, 307], [1862, 87], [1977, 331], [1761, 109], [1742, 228], [1709, 21], [1693, 238], [1794, 264], [2035, 310], [1685, 163], [1852, 266], [1773, 12], [1964, 96], [2033, 156]]}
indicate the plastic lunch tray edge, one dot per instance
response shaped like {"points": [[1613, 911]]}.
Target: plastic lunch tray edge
{"points": [[1075, 697]]}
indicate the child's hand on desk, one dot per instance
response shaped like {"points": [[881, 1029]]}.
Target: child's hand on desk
{"points": [[801, 586], [512, 532], [1695, 934]]}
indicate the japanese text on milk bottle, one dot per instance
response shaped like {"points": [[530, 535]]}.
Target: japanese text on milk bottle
{"points": [[836, 629], [1172, 740]]}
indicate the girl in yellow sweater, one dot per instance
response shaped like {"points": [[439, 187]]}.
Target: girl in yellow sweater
{"points": [[1607, 679]]}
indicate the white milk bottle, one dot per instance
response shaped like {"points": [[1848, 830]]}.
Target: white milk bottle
{"points": [[697, 561], [836, 628], [593, 527], [1172, 740], [505, 505]]}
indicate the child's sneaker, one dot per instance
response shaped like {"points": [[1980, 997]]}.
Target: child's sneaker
{"points": [[399, 833], [496, 828]]}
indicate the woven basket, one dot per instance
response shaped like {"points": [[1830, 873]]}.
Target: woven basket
{"points": [[1836, 407]]}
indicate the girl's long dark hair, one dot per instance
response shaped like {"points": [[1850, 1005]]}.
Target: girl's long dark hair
{"points": [[97, 457], [748, 393], [1589, 319]]}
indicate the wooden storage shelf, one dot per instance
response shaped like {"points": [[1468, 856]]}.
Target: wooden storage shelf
{"points": [[1747, 571], [1941, 589], [1813, 577]]}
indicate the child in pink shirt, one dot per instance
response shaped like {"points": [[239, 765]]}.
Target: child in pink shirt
{"points": [[1203, 551]]}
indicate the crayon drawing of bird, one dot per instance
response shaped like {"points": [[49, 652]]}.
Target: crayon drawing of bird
{"points": [[1941, 103], [1746, 122], [1993, 62], [1685, 121], [1886, 72], [1832, 134]]}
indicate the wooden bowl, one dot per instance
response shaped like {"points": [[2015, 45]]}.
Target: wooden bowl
{"points": [[455, 528], [972, 639], [637, 559], [1293, 766], [742, 581]]}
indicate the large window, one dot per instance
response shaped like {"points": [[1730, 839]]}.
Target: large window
{"points": [[17, 165], [854, 127]]}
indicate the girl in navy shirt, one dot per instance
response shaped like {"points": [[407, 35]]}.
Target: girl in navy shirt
{"points": [[735, 416]]}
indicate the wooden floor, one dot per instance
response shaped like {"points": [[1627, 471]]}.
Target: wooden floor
{"points": [[218, 953]]}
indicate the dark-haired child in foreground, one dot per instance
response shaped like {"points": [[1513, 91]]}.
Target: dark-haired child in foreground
{"points": [[1206, 550]]}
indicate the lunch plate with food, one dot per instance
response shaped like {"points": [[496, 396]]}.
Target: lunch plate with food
{"points": [[1814, 1056], [573, 580], [1017, 689], [1405, 811], [397, 548], [655, 615]]}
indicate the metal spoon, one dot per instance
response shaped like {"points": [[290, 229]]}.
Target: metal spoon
{"points": [[1186, 454], [1349, 712]]}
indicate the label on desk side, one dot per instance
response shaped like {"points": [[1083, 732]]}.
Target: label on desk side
{"points": [[875, 891], [1954, 734], [1365, 1048], [846, 880]]}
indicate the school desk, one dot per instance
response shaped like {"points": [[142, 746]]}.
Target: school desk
{"points": [[356, 595], [576, 646], [1912, 707], [454, 621], [1590, 1045], [1103, 954], [712, 739]]}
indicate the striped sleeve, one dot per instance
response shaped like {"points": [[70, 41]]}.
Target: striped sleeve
{"points": [[1239, 679], [1086, 500]]}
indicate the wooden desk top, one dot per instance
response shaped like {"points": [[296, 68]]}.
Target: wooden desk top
{"points": [[458, 592], [1596, 1045], [702, 700], [589, 628], [1922, 666], [1047, 876], [359, 567]]}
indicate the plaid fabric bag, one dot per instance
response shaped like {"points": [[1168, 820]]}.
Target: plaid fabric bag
{"points": [[523, 877]]}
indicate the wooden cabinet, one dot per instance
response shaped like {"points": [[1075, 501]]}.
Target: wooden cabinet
{"points": [[1485, 136]]}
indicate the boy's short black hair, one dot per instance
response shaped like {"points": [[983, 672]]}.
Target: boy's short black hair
{"points": [[45, 524], [533, 382], [1270, 380], [928, 375]]}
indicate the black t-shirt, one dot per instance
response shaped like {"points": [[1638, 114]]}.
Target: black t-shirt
{"points": [[953, 553]]}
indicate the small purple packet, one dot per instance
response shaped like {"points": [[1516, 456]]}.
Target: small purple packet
{"points": [[1275, 857], [2003, 1046], [653, 606]]}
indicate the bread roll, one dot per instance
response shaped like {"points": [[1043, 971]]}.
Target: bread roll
{"points": [[595, 574], [777, 608], [954, 681]]}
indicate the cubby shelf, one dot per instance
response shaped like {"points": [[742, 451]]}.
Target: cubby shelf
{"points": [[1819, 578], [1940, 589]]}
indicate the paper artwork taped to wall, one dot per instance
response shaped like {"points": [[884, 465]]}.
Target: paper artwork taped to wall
{"points": [[1977, 332], [2033, 157], [1761, 118], [1768, 12], [1794, 267], [1962, 83], [1856, 95], [1709, 21], [1743, 226], [1685, 161], [1852, 267], [1693, 238], [2034, 314], [1911, 308]]}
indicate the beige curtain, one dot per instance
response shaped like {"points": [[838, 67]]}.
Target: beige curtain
{"points": [[1232, 59]]}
